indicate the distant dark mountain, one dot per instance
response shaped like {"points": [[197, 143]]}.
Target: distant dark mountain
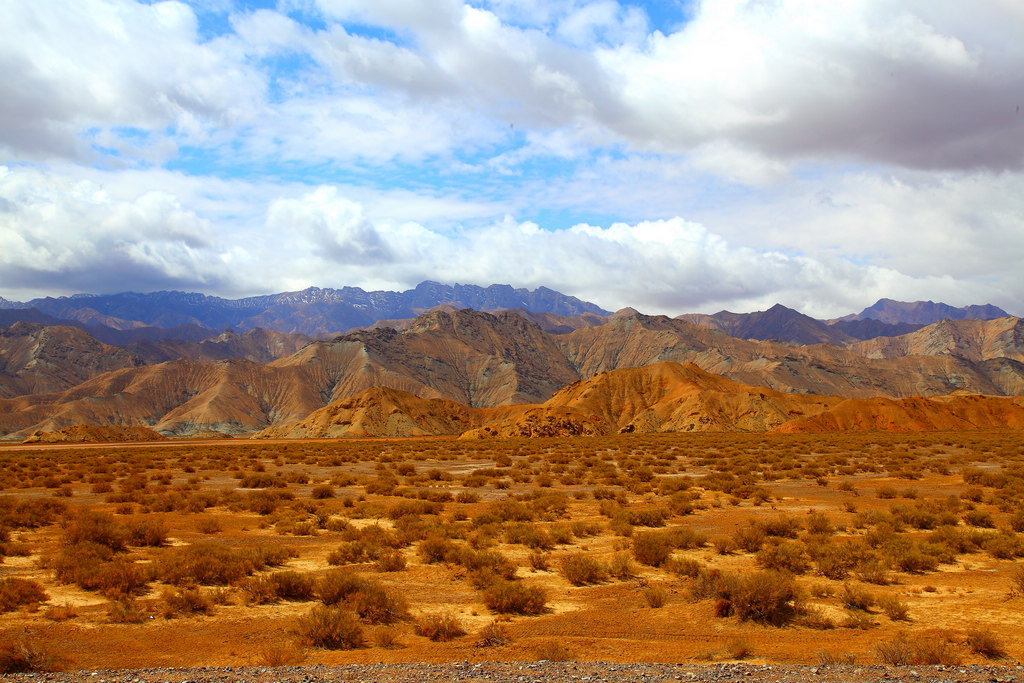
{"points": [[104, 333], [778, 322], [868, 328], [312, 311], [924, 312]]}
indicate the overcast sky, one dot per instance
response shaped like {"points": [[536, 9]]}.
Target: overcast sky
{"points": [[671, 156]]}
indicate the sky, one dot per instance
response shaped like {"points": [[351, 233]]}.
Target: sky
{"points": [[670, 155]]}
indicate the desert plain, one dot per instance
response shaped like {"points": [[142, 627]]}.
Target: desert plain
{"points": [[825, 548]]}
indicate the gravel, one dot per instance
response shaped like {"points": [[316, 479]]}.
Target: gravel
{"points": [[546, 672]]}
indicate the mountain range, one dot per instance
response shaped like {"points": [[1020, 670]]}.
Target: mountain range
{"points": [[322, 312], [313, 311], [425, 361], [55, 377]]}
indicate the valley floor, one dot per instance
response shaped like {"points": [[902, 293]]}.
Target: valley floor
{"points": [[848, 550]]}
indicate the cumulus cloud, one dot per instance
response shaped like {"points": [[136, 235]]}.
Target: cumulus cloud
{"points": [[668, 266], [818, 155], [58, 233], [73, 68]]}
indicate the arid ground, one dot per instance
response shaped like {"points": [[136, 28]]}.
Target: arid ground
{"points": [[791, 549]]}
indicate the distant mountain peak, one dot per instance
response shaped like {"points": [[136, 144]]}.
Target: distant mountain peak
{"points": [[925, 312]]}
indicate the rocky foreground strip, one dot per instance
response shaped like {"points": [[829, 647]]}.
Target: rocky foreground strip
{"points": [[547, 672]]}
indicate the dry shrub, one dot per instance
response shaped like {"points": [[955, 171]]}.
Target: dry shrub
{"points": [[859, 620], [147, 532], [580, 569], [894, 608], [811, 617], [15, 592], [208, 524], [787, 556], [655, 596], [621, 566], [336, 586], [215, 565], [94, 567], [331, 628], [538, 562], [185, 602], [125, 611], [922, 650], [291, 585], [738, 648], [24, 656], [281, 654], [651, 548], [551, 651], [493, 635], [440, 627], [512, 597], [61, 612], [765, 596], [386, 637], [322, 491], [434, 549], [378, 605], [391, 561], [986, 643], [856, 598], [750, 538], [259, 590], [96, 527]]}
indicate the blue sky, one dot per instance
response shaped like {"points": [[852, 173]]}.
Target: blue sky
{"points": [[670, 156]]}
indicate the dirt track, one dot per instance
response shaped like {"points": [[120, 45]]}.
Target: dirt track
{"points": [[549, 672]]}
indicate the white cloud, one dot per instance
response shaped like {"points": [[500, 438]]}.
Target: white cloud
{"points": [[71, 68], [57, 231]]}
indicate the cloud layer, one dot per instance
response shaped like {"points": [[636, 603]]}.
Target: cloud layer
{"points": [[737, 155]]}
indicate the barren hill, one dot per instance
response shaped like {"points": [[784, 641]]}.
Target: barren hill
{"points": [[382, 411], [663, 397], [916, 414], [90, 434], [973, 340], [35, 358], [175, 398], [637, 340], [475, 358]]}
